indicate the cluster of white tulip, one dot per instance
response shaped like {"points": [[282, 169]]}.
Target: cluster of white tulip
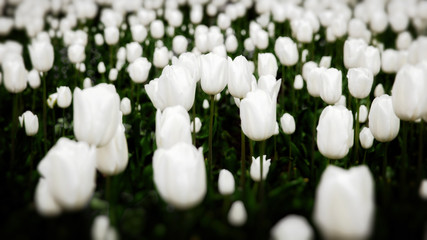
{"points": [[246, 63]]}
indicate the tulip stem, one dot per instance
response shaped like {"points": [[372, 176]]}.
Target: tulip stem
{"points": [[63, 122], [109, 200], [261, 164], [14, 128], [210, 135], [313, 131], [194, 123], [44, 112], [243, 160], [405, 151], [385, 161], [290, 167], [420, 151], [356, 135]]}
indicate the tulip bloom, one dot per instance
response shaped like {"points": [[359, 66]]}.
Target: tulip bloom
{"points": [[383, 122], [41, 53], [286, 51], [174, 87], [366, 138], [225, 182], [292, 227], [64, 97], [270, 85], [258, 115], [255, 168], [213, 73], [287, 122], [68, 177], [14, 74], [172, 126], [96, 114], [139, 70], [335, 132], [237, 215], [360, 82], [267, 64], [330, 85], [180, 175], [240, 78], [344, 204], [31, 123]]}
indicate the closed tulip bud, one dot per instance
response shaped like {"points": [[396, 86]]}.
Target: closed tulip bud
{"points": [[125, 106], [306, 69], [262, 39], [231, 44], [237, 214], [174, 17], [69, 171], [101, 229], [403, 40], [82, 67], [292, 227], [220, 51], [96, 114], [157, 29], [360, 82], [363, 114], [101, 68], [423, 189], [366, 138], [344, 203], [225, 182], [409, 93], [161, 57], [390, 61], [379, 90], [179, 44], [286, 51], [111, 35], [270, 85], [298, 82], [31, 123], [399, 20], [172, 127], [191, 62], [139, 70], [267, 64], [45, 203], [34, 79], [171, 166], [198, 125], [112, 158], [205, 104], [139, 33], [51, 100], [371, 59], [223, 21], [99, 39], [325, 62], [112, 75], [304, 31], [353, 52], [383, 122], [255, 168], [175, 86], [258, 115], [249, 45], [15, 75], [64, 97], [41, 53], [378, 21], [214, 70], [330, 85], [287, 122], [76, 53], [335, 132], [341, 102], [314, 81], [87, 83], [240, 78], [196, 13], [133, 51]]}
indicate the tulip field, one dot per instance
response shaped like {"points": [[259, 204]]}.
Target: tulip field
{"points": [[222, 119]]}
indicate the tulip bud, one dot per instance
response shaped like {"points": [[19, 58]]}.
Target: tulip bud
{"points": [[15, 74], [51, 100], [157, 29], [292, 227], [133, 51], [161, 58], [87, 83], [344, 204], [335, 132], [303, 31], [403, 40], [191, 62], [330, 85], [286, 51], [196, 13], [172, 126], [111, 35], [383, 122], [353, 52], [258, 115], [261, 40], [225, 182], [237, 214], [287, 122], [96, 114], [139, 33], [249, 45], [363, 114], [121, 54], [112, 75], [409, 93], [34, 79], [44, 201], [371, 59], [423, 189], [101, 229], [205, 104], [223, 21], [125, 106], [64, 97], [214, 71], [171, 166], [378, 21], [179, 44], [139, 70], [399, 20], [360, 82], [112, 158], [231, 43], [76, 53], [68, 170], [267, 64], [31, 123], [41, 53], [174, 17], [101, 68], [366, 138], [269, 84], [239, 76], [314, 81], [390, 61], [298, 82], [256, 165], [99, 39], [198, 125], [325, 62], [175, 86], [379, 90]]}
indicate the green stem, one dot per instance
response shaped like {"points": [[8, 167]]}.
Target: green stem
{"points": [[356, 135], [290, 167], [44, 112], [211, 135], [313, 131], [242, 160], [63, 122], [194, 123], [385, 161], [109, 199], [261, 164], [405, 151], [14, 128]]}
